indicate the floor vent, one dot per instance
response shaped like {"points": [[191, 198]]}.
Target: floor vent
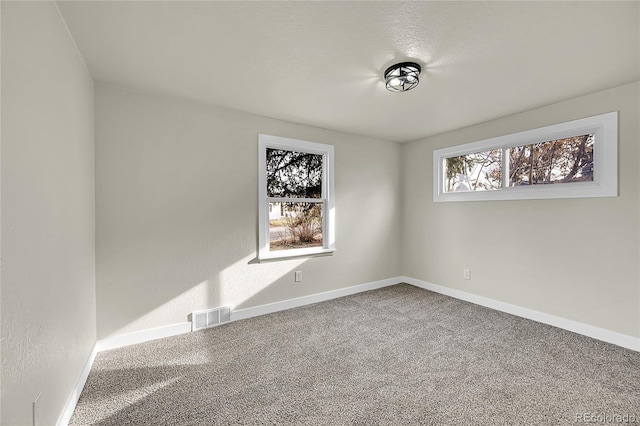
{"points": [[210, 318]]}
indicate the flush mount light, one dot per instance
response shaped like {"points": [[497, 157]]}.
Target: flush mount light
{"points": [[402, 77]]}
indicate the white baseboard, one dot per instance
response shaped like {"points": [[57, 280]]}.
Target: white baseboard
{"points": [[313, 298], [608, 336], [143, 336], [185, 327], [70, 406]]}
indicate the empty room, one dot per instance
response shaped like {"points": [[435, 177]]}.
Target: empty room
{"points": [[320, 213]]}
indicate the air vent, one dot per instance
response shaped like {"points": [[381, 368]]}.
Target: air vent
{"points": [[210, 318]]}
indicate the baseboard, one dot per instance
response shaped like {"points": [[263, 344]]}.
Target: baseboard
{"points": [[313, 298], [143, 336], [608, 336], [70, 406], [185, 327]]}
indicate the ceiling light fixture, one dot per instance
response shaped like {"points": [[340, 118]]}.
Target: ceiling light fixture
{"points": [[402, 77]]}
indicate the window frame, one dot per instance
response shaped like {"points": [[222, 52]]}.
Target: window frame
{"points": [[328, 191], [605, 162]]}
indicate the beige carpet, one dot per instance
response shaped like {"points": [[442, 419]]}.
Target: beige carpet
{"points": [[394, 356]]}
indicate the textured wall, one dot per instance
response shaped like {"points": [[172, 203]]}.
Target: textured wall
{"points": [[48, 273], [574, 258], [176, 205]]}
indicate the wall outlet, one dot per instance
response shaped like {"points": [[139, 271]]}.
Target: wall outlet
{"points": [[466, 274], [298, 276], [37, 411]]}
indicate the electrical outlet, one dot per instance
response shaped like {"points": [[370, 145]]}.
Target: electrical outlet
{"points": [[466, 274], [37, 412], [298, 276]]}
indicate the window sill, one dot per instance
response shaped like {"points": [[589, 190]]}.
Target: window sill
{"points": [[534, 192], [293, 254]]}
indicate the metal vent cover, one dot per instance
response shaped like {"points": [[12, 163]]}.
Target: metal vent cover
{"points": [[210, 317]]}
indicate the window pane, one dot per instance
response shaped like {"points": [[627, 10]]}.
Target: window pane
{"points": [[479, 171], [558, 161], [295, 225], [294, 174]]}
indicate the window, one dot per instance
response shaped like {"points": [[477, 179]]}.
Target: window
{"points": [[296, 204], [569, 160]]}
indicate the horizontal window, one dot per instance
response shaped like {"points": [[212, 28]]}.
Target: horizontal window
{"points": [[567, 160]]}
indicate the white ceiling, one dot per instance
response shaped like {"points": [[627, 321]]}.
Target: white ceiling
{"points": [[321, 63]]}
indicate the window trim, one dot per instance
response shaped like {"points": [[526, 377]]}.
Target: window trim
{"points": [[605, 164], [328, 216]]}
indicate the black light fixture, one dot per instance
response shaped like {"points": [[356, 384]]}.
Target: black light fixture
{"points": [[402, 77]]}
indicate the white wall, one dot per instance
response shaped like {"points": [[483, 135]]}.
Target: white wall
{"points": [[176, 204], [48, 274], [574, 258]]}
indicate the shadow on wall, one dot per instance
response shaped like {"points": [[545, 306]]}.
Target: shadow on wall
{"points": [[154, 271], [243, 284], [161, 275]]}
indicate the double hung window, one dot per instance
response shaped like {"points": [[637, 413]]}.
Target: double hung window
{"points": [[296, 204]]}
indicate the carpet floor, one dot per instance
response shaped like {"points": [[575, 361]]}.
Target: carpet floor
{"points": [[394, 356]]}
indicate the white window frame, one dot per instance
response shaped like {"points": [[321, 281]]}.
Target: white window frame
{"points": [[328, 200], [605, 163]]}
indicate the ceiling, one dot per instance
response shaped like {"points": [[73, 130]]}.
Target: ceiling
{"points": [[321, 63]]}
